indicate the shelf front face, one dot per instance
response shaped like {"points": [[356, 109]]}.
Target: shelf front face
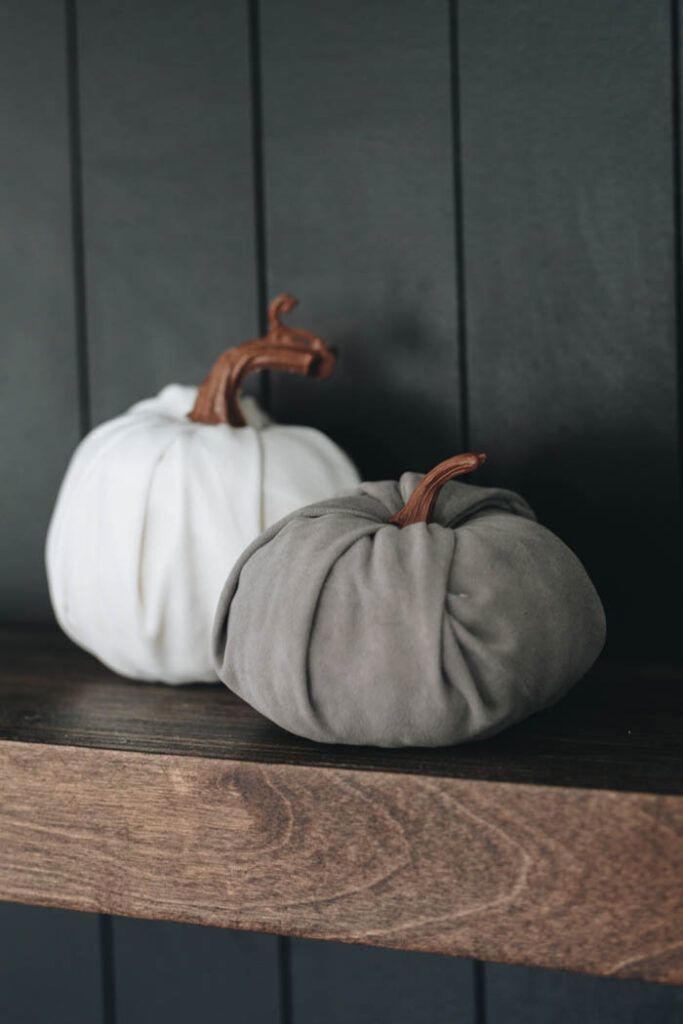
{"points": [[546, 876], [557, 844], [621, 729]]}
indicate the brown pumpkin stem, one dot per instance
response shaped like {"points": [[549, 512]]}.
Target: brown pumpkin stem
{"points": [[420, 504], [283, 348]]}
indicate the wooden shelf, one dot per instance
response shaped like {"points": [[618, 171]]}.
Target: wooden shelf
{"points": [[559, 843]]}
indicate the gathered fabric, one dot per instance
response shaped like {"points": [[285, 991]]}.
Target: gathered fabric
{"points": [[153, 512], [343, 628]]}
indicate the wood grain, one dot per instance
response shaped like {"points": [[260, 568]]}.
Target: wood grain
{"points": [[620, 729], [537, 875]]}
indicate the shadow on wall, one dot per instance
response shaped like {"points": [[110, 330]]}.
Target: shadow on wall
{"points": [[389, 404], [387, 408], [581, 486]]}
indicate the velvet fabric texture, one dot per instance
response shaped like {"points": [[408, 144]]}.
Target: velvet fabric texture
{"points": [[345, 629]]}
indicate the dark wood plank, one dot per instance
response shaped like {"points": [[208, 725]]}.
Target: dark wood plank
{"points": [[176, 973], [359, 216], [49, 966], [39, 415], [569, 239], [337, 984], [619, 730], [525, 995], [575, 879], [168, 192]]}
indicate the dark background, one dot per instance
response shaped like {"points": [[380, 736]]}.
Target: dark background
{"points": [[478, 204]]}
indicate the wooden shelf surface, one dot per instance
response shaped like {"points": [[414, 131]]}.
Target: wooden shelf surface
{"points": [[558, 843]]}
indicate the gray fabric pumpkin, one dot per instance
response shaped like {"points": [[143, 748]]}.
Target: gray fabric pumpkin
{"points": [[359, 620]]}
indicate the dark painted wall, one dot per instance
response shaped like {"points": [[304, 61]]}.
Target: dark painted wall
{"points": [[477, 203]]}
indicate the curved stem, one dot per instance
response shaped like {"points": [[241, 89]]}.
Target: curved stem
{"points": [[420, 504], [289, 349]]}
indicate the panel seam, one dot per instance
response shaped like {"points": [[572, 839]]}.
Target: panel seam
{"points": [[77, 228], [284, 960], [107, 968], [459, 227], [479, 980], [259, 199]]}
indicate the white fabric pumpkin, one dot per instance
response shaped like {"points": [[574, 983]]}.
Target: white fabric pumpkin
{"points": [[155, 509]]}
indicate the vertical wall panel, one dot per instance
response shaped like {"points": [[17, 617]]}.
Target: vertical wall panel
{"points": [[339, 984], [38, 383], [524, 995], [171, 282], [569, 241], [168, 192], [177, 973], [359, 216], [49, 966]]}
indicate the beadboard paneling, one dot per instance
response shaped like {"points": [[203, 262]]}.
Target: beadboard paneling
{"points": [[176, 973], [359, 215], [570, 284], [39, 406], [168, 196], [525, 995], [568, 211], [337, 984], [49, 966]]}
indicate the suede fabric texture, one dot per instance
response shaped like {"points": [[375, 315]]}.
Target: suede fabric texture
{"points": [[344, 629]]}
